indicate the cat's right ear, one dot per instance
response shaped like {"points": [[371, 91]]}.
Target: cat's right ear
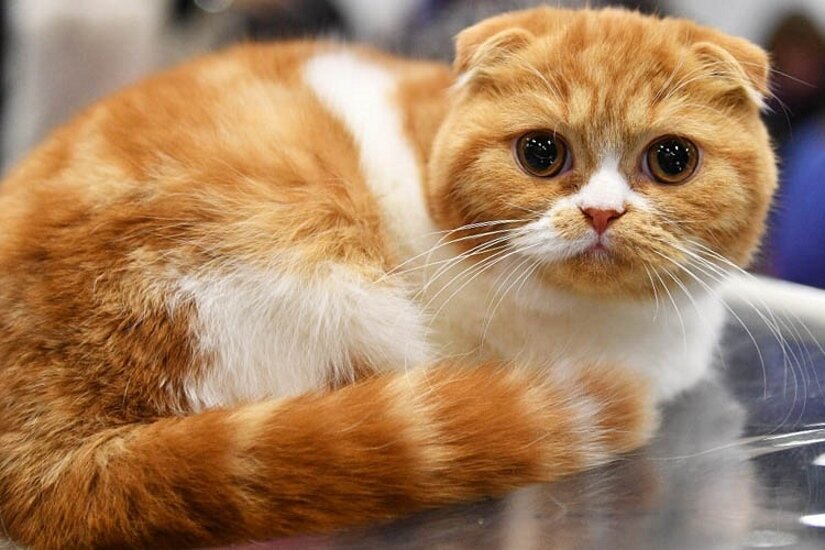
{"points": [[737, 66], [482, 47]]}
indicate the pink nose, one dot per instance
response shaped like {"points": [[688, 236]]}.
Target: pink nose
{"points": [[600, 218]]}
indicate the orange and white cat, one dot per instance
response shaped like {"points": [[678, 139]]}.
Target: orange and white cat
{"points": [[297, 287]]}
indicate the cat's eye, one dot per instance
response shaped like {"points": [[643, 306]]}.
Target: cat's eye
{"points": [[542, 154], [671, 160]]}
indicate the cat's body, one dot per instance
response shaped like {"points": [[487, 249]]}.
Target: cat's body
{"points": [[276, 220]]}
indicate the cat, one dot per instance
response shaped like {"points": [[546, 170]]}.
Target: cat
{"points": [[297, 287]]}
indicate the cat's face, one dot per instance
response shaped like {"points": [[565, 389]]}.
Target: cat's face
{"points": [[620, 152]]}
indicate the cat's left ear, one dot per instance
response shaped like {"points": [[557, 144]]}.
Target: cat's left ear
{"points": [[475, 52], [738, 66], [486, 45]]}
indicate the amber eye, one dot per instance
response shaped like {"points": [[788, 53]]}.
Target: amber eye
{"points": [[541, 154], [672, 160]]}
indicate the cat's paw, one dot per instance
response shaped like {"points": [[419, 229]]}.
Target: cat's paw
{"points": [[620, 406], [589, 414]]}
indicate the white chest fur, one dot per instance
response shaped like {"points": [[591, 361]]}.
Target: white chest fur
{"points": [[671, 344]]}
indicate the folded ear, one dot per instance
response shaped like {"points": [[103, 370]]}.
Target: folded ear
{"points": [[737, 65], [492, 41], [487, 45]]}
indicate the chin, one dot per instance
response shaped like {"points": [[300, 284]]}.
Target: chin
{"points": [[600, 272]]}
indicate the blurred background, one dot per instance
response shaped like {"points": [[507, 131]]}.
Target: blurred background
{"points": [[59, 56]]}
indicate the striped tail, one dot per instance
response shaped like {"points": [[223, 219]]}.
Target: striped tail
{"points": [[378, 449]]}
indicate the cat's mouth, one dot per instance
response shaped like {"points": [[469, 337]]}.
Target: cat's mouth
{"points": [[599, 248], [609, 252]]}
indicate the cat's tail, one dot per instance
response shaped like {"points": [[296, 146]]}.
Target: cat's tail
{"points": [[372, 451]]}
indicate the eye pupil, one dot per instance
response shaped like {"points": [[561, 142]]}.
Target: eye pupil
{"points": [[541, 154], [540, 151], [672, 160], [673, 156]]}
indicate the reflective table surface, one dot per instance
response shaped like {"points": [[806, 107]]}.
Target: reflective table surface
{"points": [[739, 462]]}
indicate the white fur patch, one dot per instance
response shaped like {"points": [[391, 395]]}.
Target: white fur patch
{"points": [[540, 239], [271, 334], [672, 349], [359, 93], [608, 189]]}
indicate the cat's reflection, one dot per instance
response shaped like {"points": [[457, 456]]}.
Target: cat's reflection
{"points": [[692, 488]]}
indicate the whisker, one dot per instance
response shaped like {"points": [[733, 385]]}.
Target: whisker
{"points": [[787, 321], [476, 250], [474, 225], [489, 315], [466, 270], [485, 266], [727, 307], [395, 270], [525, 209], [655, 292], [675, 308], [790, 362]]}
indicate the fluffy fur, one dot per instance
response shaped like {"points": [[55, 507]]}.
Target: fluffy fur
{"points": [[298, 287]]}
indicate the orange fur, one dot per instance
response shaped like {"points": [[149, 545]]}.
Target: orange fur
{"points": [[209, 166]]}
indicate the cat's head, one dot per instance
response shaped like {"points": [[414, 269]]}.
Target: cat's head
{"points": [[615, 149]]}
